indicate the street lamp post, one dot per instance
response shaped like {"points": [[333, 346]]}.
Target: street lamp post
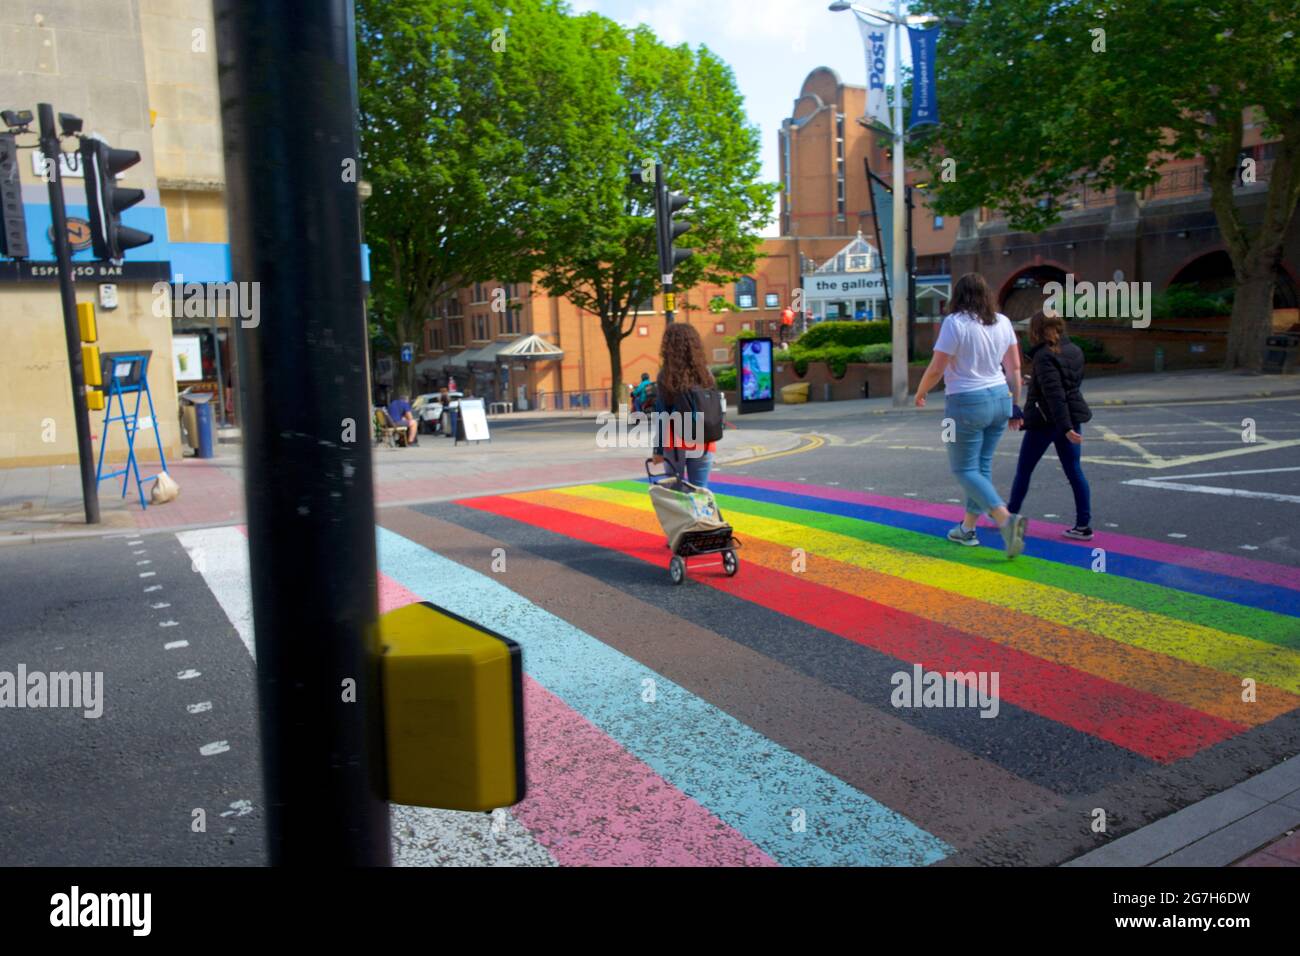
{"points": [[900, 280]]}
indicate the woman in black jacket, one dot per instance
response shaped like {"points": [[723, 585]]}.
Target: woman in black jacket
{"points": [[1054, 415]]}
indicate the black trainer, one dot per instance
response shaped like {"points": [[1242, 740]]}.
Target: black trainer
{"points": [[1079, 534]]}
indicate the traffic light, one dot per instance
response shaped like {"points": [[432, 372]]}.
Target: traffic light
{"points": [[13, 234], [670, 226], [101, 162]]}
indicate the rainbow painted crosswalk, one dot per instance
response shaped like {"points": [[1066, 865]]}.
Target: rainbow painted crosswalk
{"points": [[752, 720]]}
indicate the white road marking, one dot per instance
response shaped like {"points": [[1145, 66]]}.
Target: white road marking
{"points": [[1167, 483], [1175, 534], [172, 645], [148, 574], [189, 674], [239, 808], [140, 564], [152, 587], [225, 572], [141, 541], [199, 708], [159, 606], [141, 551], [214, 748], [169, 623], [1248, 547], [1222, 474]]}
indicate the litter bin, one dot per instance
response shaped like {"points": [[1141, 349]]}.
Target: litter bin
{"points": [[197, 417], [203, 413], [1280, 352]]}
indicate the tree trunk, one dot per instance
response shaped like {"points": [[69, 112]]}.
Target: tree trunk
{"points": [[614, 342], [1252, 319]]}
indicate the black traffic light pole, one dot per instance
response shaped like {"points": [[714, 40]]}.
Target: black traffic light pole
{"points": [[68, 294], [289, 122]]}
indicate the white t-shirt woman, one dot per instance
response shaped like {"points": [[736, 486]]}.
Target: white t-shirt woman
{"points": [[977, 351]]}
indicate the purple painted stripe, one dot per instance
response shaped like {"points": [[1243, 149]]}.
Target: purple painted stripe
{"points": [[1231, 565]]}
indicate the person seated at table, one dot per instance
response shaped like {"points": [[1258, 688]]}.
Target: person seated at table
{"points": [[399, 410]]}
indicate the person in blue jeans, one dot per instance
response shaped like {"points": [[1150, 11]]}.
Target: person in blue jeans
{"points": [[978, 357], [1054, 414]]}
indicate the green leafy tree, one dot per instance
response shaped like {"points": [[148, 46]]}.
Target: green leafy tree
{"points": [[674, 105], [1039, 96], [466, 106]]}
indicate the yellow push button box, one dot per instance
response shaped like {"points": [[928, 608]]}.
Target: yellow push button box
{"points": [[453, 711]]}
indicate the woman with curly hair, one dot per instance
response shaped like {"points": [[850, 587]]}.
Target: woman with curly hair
{"points": [[681, 368]]}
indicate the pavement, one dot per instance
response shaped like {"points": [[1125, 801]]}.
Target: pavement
{"points": [[44, 504]]}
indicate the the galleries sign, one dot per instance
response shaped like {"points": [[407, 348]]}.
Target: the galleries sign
{"points": [[823, 286]]}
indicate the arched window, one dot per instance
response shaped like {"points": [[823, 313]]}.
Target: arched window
{"points": [[746, 293]]}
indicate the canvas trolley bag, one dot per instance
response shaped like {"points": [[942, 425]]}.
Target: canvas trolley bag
{"points": [[682, 507]]}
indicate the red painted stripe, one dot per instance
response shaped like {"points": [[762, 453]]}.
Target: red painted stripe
{"points": [[1141, 722]]}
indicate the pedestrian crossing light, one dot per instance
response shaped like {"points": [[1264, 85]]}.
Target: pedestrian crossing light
{"points": [[108, 237], [453, 711]]}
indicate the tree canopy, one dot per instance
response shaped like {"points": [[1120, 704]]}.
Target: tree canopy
{"points": [[499, 143], [1039, 96]]}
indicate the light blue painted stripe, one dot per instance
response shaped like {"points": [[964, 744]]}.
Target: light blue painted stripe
{"points": [[749, 782]]}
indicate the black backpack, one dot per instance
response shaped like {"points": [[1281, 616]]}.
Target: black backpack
{"points": [[707, 403]]}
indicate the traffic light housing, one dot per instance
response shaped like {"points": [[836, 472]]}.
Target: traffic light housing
{"points": [[90, 361], [670, 225], [13, 228], [108, 237]]}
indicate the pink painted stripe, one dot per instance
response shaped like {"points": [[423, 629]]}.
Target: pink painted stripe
{"points": [[1231, 565], [591, 803]]}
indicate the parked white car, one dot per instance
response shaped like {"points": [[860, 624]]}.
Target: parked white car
{"points": [[428, 408]]}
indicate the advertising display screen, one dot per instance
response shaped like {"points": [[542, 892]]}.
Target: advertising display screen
{"points": [[755, 367]]}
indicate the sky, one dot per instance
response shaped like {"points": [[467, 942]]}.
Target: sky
{"points": [[771, 45]]}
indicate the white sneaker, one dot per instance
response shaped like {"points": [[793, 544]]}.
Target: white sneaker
{"points": [[962, 536], [1013, 534]]}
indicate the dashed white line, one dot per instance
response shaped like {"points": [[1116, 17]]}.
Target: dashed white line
{"points": [[159, 606], [152, 587], [172, 645], [214, 748], [188, 674], [140, 564], [148, 574], [1249, 547], [169, 623], [141, 541], [141, 551], [1175, 534], [200, 707]]}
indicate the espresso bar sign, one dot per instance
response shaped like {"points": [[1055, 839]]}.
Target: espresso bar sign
{"points": [[27, 271]]}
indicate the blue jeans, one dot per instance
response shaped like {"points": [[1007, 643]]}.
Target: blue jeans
{"points": [[697, 469], [979, 417], [1070, 454]]}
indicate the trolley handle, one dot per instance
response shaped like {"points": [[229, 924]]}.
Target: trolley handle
{"points": [[655, 479]]}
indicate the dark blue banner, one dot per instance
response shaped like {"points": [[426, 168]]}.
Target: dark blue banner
{"points": [[924, 108]]}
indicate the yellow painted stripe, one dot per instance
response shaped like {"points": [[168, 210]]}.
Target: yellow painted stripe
{"points": [[1193, 685], [1233, 654]]}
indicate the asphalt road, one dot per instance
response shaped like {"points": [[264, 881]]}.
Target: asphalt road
{"points": [[745, 720]]}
